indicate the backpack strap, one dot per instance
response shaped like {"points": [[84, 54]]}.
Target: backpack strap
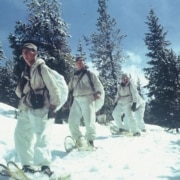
{"points": [[22, 81], [82, 74], [129, 89], [39, 71], [90, 80]]}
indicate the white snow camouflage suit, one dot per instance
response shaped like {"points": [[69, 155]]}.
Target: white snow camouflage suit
{"points": [[33, 126]]}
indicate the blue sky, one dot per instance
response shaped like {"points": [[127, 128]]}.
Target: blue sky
{"points": [[81, 15]]}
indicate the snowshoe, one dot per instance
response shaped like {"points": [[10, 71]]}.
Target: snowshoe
{"points": [[82, 143], [69, 144], [4, 171], [115, 131]]}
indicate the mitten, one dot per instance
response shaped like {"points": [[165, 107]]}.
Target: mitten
{"points": [[97, 95], [133, 107], [51, 112]]}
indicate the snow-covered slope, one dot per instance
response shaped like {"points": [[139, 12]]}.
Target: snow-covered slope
{"points": [[154, 155]]}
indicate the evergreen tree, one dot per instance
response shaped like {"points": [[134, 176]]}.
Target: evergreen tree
{"points": [[106, 53], [1, 53], [161, 72], [172, 90], [80, 50], [7, 84], [6, 81], [46, 28]]}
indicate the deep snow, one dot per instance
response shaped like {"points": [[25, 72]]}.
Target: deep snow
{"points": [[154, 155]]}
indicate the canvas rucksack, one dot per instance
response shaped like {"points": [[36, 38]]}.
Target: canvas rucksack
{"points": [[99, 102], [61, 83]]}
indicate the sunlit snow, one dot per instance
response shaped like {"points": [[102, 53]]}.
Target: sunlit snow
{"points": [[154, 155]]}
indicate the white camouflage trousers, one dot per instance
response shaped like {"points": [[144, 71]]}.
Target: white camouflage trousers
{"points": [[139, 114], [130, 122], [31, 137], [83, 106]]}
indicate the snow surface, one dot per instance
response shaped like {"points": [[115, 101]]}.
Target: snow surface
{"points": [[154, 155]]}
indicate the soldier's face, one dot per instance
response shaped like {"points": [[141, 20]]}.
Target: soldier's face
{"points": [[29, 56], [80, 64], [124, 80]]}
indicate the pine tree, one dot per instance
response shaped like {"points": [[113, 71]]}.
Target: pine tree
{"points": [[1, 53], [172, 90], [106, 53], [6, 81], [80, 50], [161, 72], [46, 28], [7, 84]]}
